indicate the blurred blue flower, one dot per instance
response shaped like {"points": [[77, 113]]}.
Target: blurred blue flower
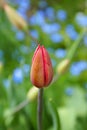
{"points": [[56, 38], [25, 4], [37, 19], [61, 15], [81, 19], [22, 13], [70, 30], [40, 19], [32, 20], [20, 35], [6, 83], [85, 40], [21, 2], [51, 28], [34, 33], [78, 67], [18, 75], [50, 13], [69, 91], [61, 53], [26, 69]]}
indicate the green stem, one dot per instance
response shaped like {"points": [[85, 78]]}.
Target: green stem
{"points": [[39, 109], [28, 33], [75, 45]]}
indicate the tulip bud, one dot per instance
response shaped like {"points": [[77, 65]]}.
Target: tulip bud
{"points": [[32, 93], [62, 67], [1, 67], [15, 18], [41, 70]]}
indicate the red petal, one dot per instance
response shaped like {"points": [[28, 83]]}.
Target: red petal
{"points": [[37, 73], [48, 67]]}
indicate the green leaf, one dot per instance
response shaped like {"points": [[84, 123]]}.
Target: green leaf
{"points": [[55, 115]]}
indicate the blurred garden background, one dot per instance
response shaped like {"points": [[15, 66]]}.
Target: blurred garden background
{"points": [[61, 26]]}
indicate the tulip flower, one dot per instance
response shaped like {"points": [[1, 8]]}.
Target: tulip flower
{"points": [[41, 70]]}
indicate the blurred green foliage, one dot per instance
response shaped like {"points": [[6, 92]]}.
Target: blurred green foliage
{"points": [[69, 92]]}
